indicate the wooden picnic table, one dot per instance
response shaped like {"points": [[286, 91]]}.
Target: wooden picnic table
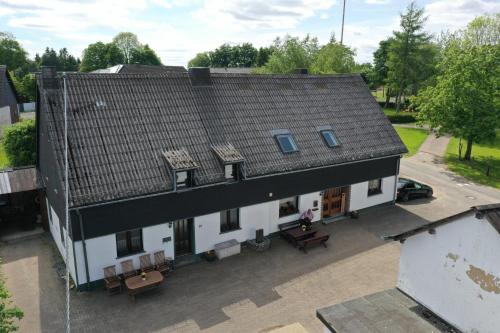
{"points": [[297, 234], [137, 285]]}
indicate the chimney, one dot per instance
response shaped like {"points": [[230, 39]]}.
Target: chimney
{"points": [[300, 71], [49, 77], [200, 76]]}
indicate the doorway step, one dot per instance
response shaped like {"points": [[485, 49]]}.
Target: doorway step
{"points": [[331, 219], [186, 260]]}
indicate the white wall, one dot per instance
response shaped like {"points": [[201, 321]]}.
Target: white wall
{"points": [[456, 273], [101, 251], [359, 194], [261, 216]]}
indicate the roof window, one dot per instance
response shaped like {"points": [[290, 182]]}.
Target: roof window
{"points": [[286, 143], [330, 138]]}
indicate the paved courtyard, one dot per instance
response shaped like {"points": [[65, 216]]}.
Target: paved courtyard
{"points": [[252, 292]]}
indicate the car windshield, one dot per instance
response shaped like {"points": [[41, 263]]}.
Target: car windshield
{"points": [[402, 183]]}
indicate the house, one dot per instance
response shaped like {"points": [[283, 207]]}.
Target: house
{"points": [[9, 99], [140, 69], [449, 281], [231, 70], [184, 161]]}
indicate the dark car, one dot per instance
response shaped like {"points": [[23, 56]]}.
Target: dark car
{"points": [[409, 189]]}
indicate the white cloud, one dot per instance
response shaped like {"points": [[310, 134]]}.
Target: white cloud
{"points": [[377, 2], [452, 15]]}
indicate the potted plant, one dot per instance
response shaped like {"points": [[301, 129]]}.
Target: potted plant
{"points": [[210, 255], [143, 276]]}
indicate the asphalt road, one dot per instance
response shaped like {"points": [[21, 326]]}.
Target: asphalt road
{"points": [[452, 193]]}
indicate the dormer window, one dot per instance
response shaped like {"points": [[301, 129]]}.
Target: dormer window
{"points": [[182, 166], [287, 143], [330, 138], [231, 160], [183, 178], [232, 171]]}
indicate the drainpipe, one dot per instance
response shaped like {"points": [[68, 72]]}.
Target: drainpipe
{"points": [[70, 226], [80, 220], [396, 182]]}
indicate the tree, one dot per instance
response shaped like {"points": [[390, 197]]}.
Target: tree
{"points": [[11, 52], [484, 30], [201, 60], [333, 58], [67, 62], [291, 53], [145, 56], [20, 143], [408, 53], [8, 314], [263, 55], [244, 55], [464, 101], [100, 55], [25, 86], [49, 58], [365, 70], [221, 56], [127, 42]]}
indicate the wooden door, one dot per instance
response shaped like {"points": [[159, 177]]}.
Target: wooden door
{"points": [[183, 234], [333, 202]]}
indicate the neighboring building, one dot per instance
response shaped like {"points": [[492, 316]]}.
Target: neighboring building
{"points": [[140, 69], [9, 100], [184, 161], [449, 273], [231, 70]]}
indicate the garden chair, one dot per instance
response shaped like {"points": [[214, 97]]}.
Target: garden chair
{"points": [[112, 281], [146, 265], [162, 265], [128, 268]]}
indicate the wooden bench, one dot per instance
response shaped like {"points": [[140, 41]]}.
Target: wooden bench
{"points": [[318, 238], [227, 249], [283, 227]]}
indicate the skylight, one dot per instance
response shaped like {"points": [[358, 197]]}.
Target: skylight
{"points": [[286, 143], [330, 139]]}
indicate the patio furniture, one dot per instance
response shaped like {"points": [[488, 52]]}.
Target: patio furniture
{"points": [[137, 284], [146, 265], [162, 265], [128, 269], [227, 248], [318, 238], [112, 281], [298, 234], [283, 227]]}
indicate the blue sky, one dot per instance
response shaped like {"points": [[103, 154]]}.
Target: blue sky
{"points": [[178, 29]]}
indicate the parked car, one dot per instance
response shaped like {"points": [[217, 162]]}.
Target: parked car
{"points": [[409, 189]]}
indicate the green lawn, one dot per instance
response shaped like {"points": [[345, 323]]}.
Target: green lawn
{"points": [[412, 138], [483, 155], [4, 161]]}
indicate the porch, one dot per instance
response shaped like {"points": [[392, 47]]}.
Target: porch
{"points": [[251, 292]]}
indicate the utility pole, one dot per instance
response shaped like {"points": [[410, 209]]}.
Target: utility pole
{"points": [[342, 31]]}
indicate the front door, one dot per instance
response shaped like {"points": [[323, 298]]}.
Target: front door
{"points": [[333, 202], [183, 234]]}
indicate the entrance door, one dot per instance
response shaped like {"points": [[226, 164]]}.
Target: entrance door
{"points": [[183, 232], [333, 202]]}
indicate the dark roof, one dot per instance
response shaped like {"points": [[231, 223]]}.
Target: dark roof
{"points": [[385, 311], [490, 212], [120, 125], [232, 70], [4, 75], [18, 180], [140, 69]]}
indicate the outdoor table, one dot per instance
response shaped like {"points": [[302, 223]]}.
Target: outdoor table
{"points": [[297, 234], [137, 285]]}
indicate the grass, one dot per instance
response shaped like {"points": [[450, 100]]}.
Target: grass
{"points": [[483, 155], [4, 160], [412, 138]]}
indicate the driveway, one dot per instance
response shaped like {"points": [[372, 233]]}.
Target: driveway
{"points": [[452, 193], [251, 292]]}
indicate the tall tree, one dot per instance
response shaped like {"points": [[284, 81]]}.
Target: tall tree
{"points": [[379, 72], [12, 53], [25, 86], [464, 100], [244, 55], [406, 52], [100, 55], [263, 56], [221, 56], [145, 56], [67, 62], [291, 53], [201, 60], [50, 58], [333, 58], [127, 42]]}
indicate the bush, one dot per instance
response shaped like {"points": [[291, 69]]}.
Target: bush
{"points": [[8, 314], [401, 118], [20, 143]]}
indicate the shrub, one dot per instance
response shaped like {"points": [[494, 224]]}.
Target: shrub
{"points": [[401, 118], [20, 143], [8, 314]]}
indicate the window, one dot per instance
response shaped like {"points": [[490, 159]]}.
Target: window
{"points": [[374, 186], [286, 143], [129, 242], [183, 178], [330, 139], [231, 171], [230, 220], [289, 206]]}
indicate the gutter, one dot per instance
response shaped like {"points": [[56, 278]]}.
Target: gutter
{"points": [[219, 183], [87, 275]]}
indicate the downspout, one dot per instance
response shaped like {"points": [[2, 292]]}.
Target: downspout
{"points": [[70, 226], [396, 182], [80, 220]]}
